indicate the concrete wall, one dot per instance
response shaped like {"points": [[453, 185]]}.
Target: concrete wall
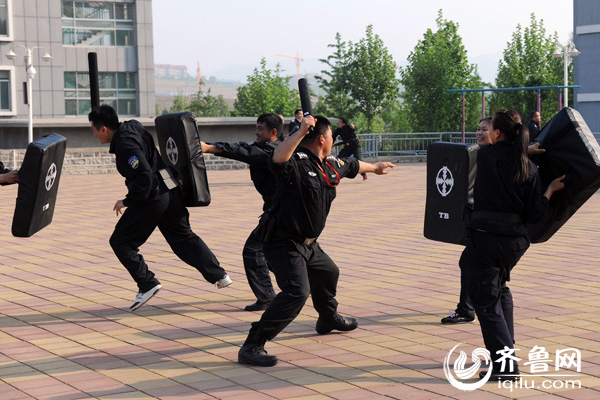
{"points": [[586, 35]]}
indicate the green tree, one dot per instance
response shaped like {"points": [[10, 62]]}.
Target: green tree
{"points": [[372, 71], [527, 61], [180, 103], [437, 63], [266, 92], [207, 105], [335, 81]]}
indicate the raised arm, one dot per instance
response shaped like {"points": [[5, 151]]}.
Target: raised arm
{"points": [[210, 148], [284, 151], [380, 168]]}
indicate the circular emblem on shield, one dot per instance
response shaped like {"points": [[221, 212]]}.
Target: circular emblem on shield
{"points": [[50, 177], [172, 152], [444, 181]]}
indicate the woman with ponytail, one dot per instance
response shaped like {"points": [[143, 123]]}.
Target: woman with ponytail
{"points": [[507, 195]]}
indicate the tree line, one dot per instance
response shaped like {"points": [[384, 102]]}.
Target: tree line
{"points": [[362, 82]]}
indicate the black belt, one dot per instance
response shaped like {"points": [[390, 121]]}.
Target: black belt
{"points": [[296, 238], [497, 216]]}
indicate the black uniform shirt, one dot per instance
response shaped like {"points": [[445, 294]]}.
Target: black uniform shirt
{"points": [[495, 191], [257, 156], [294, 125], [308, 189], [346, 133], [138, 162], [534, 130]]}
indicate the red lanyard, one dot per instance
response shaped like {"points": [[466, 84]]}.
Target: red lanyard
{"points": [[325, 175]]}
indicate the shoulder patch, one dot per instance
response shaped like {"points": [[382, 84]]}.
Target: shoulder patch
{"points": [[301, 155], [340, 163], [134, 162]]}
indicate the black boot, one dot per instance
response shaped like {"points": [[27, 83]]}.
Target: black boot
{"points": [[253, 351], [338, 323], [257, 306]]}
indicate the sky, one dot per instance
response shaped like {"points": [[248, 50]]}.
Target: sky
{"points": [[229, 37]]}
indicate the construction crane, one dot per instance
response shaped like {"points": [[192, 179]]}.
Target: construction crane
{"points": [[298, 60], [199, 77]]}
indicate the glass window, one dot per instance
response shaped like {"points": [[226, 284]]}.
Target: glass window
{"points": [[96, 23], [124, 38], [70, 107], [67, 9], [124, 11], [107, 80], [85, 106], [3, 18], [83, 81], [68, 36], [70, 79], [117, 89], [4, 90], [126, 80], [127, 107]]}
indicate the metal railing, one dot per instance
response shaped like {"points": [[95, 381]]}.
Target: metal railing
{"points": [[393, 144]]}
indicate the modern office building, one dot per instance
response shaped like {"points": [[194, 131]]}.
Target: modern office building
{"points": [[586, 67], [119, 31]]}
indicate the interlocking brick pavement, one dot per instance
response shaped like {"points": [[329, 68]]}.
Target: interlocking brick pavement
{"points": [[66, 331]]}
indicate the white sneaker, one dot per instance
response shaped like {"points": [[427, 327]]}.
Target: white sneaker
{"points": [[142, 298], [224, 282]]}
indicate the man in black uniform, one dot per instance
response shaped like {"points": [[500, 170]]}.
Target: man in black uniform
{"points": [[295, 124], [7, 177], [351, 144], [307, 179], [268, 128], [149, 204], [533, 125]]}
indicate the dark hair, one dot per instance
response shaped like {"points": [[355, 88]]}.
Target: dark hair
{"points": [[297, 111], [104, 115], [272, 121], [515, 133], [344, 120], [320, 128], [486, 119], [532, 114]]}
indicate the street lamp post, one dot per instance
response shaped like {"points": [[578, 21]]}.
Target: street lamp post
{"points": [[31, 72], [565, 52]]}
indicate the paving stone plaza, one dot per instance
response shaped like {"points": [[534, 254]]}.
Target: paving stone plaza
{"points": [[66, 331]]}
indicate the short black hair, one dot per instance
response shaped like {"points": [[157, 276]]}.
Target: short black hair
{"points": [[272, 121], [104, 115], [297, 111], [319, 129], [532, 114], [344, 120]]}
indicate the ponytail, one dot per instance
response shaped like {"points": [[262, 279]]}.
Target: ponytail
{"points": [[509, 123]]}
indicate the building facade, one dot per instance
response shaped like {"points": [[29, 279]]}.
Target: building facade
{"points": [[119, 31], [586, 67]]}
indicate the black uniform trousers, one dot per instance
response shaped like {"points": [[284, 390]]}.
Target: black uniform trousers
{"points": [[300, 270], [352, 149], [257, 270], [464, 306], [172, 218], [487, 261]]}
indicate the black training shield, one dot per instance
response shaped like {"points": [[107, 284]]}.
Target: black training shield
{"points": [[451, 171], [180, 148], [571, 150], [38, 184]]}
